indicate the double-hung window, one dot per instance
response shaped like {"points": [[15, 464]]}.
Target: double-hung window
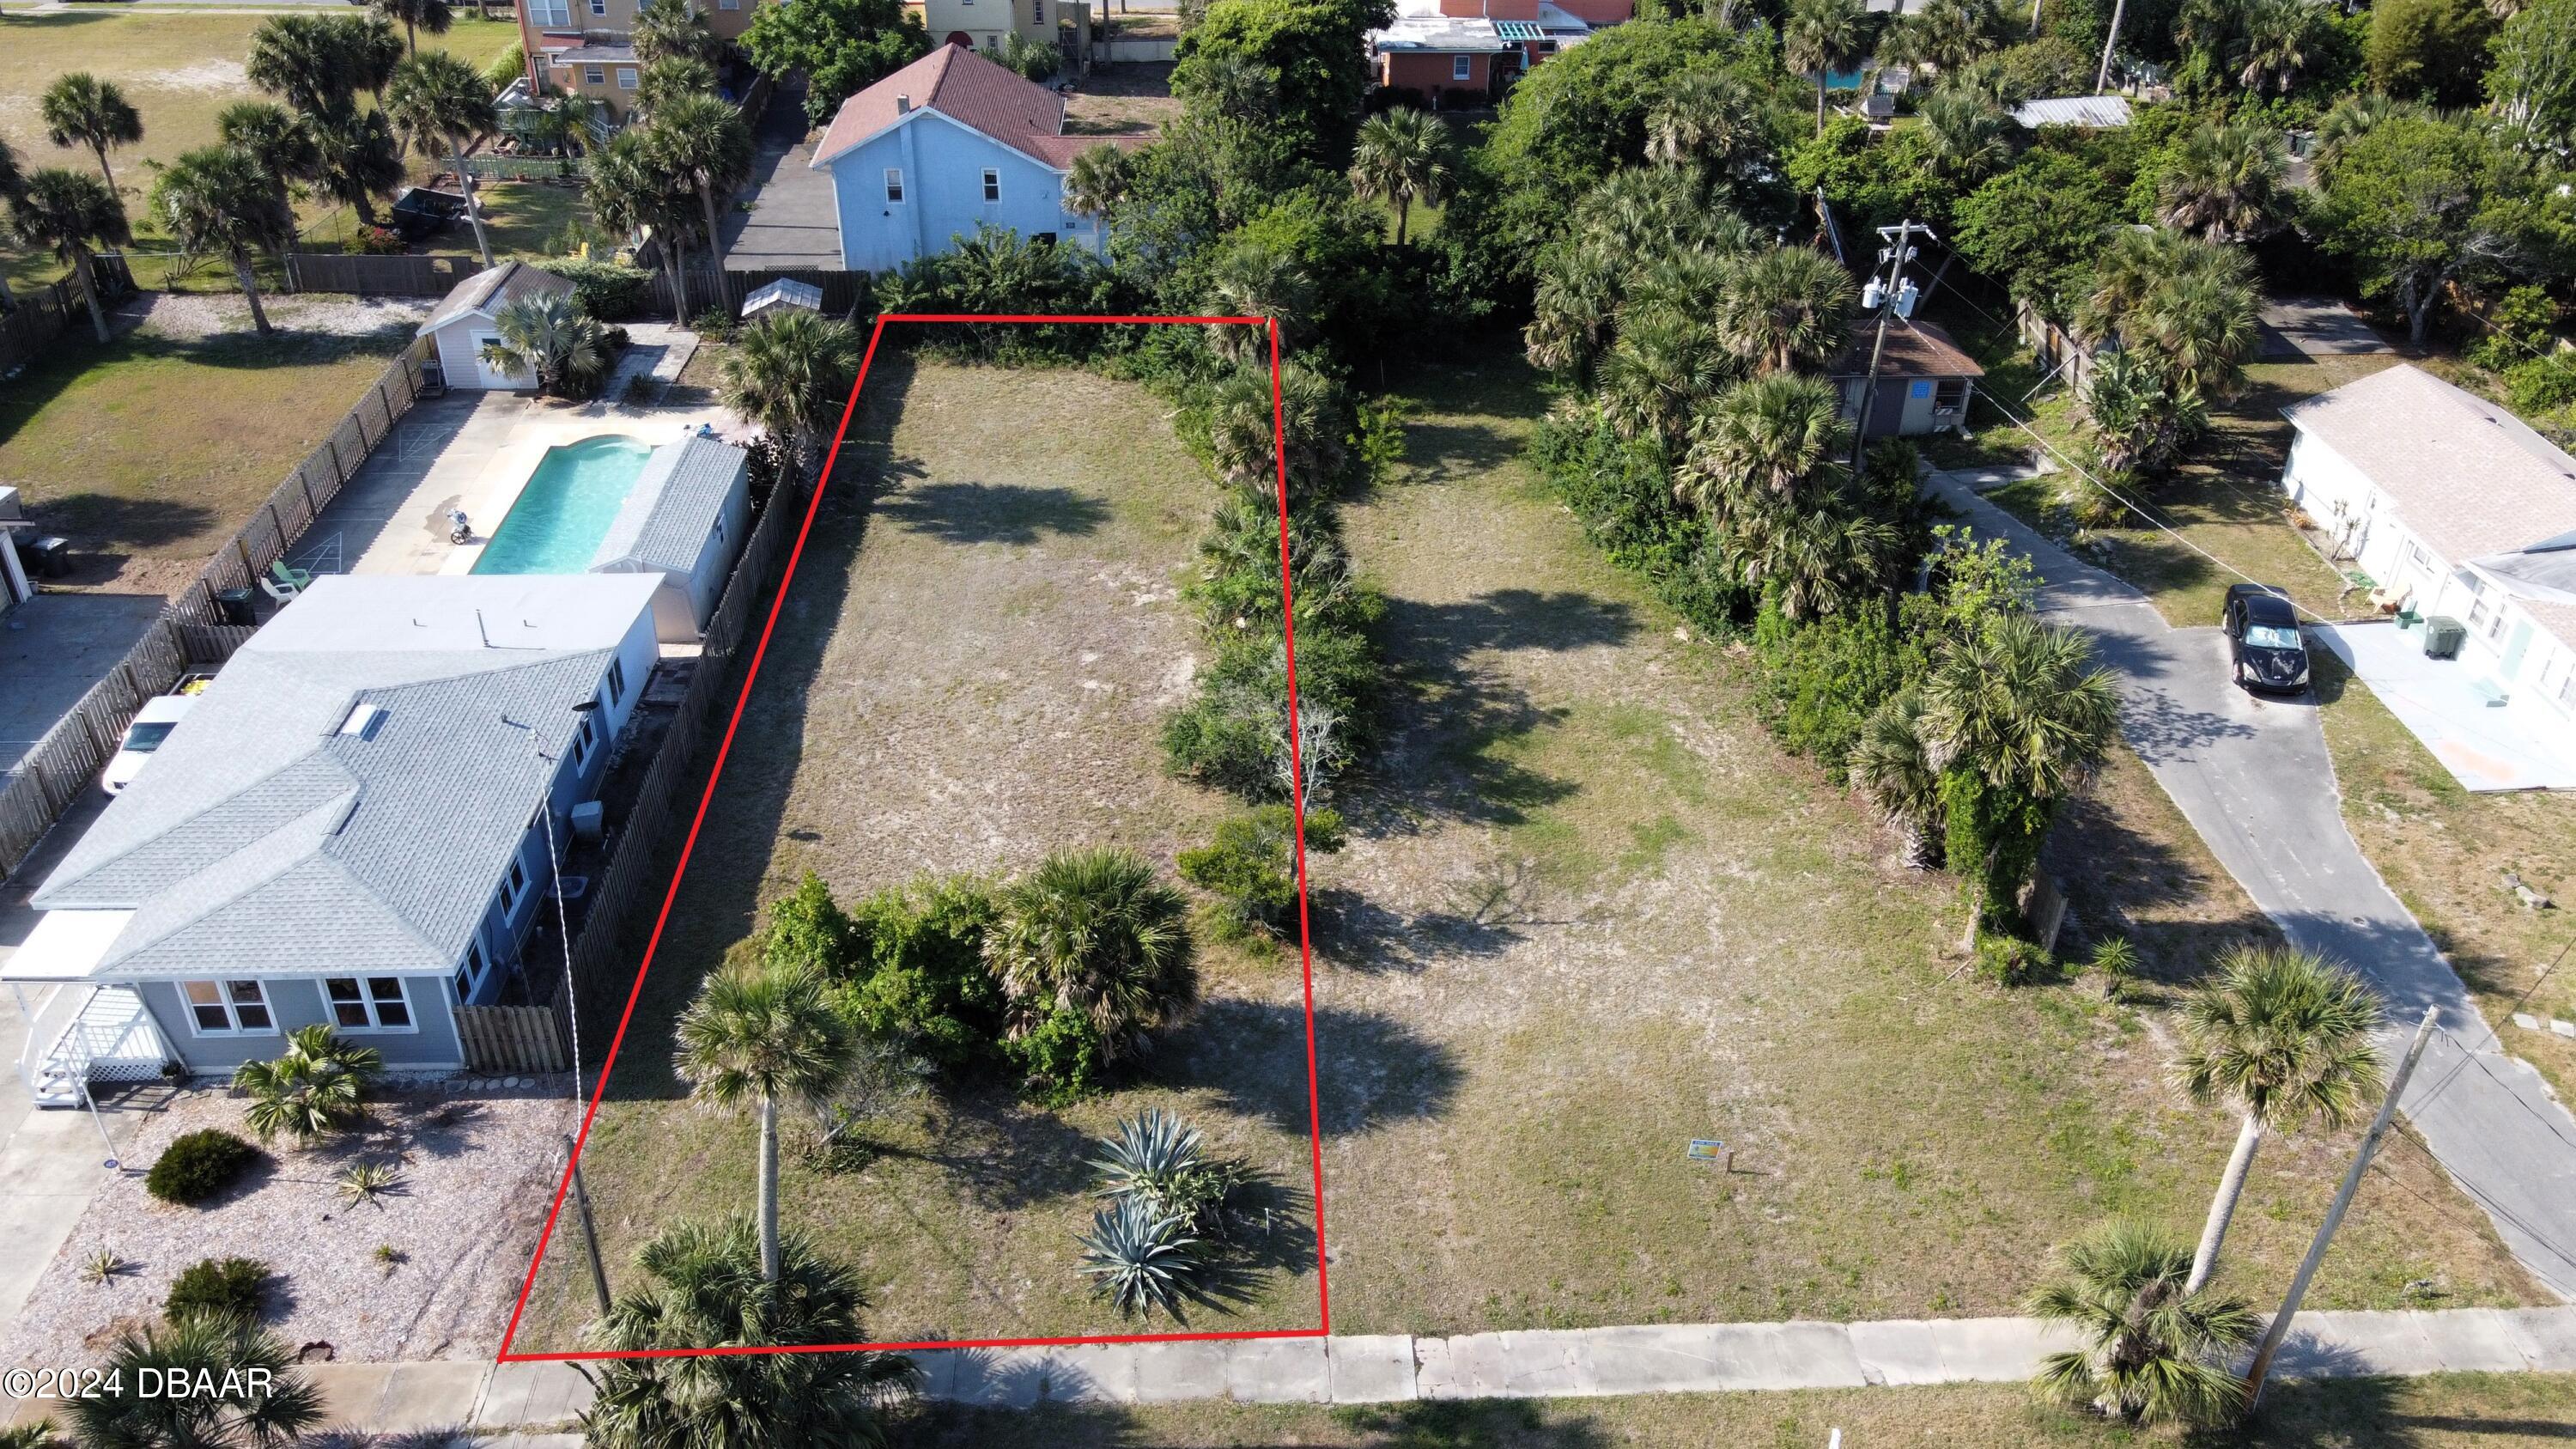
{"points": [[616, 681], [599, 7], [227, 1008], [595, 75], [992, 185], [556, 13], [368, 1003], [1462, 67], [626, 77], [585, 737], [894, 186], [1037, 12], [514, 885], [470, 973]]}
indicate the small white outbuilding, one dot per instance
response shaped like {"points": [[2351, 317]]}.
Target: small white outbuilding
{"points": [[685, 519], [463, 322]]}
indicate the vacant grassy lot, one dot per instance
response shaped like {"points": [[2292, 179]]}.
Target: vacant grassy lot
{"points": [[147, 452], [2457, 1411], [2446, 853], [971, 671], [1590, 915], [1619, 920], [178, 69]]}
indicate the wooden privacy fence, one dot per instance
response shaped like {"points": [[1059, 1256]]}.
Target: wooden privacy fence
{"points": [[276, 524], [623, 899], [35, 793], [511, 1039], [39, 318], [390, 276]]}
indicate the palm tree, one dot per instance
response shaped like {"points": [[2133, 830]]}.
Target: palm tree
{"points": [[1664, 365], [790, 372], [1765, 437], [415, 16], [68, 212], [1967, 136], [1707, 118], [1789, 307], [629, 192], [356, 158], [277, 140], [1947, 34], [703, 145], [2225, 181], [367, 52], [666, 28], [674, 76], [759, 1032], [707, 1288], [2279, 37], [13, 184], [2154, 1351], [2141, 417], [1891, 766], [2201, 329], [79, 109], [1821, 35], [1580, 287], [1401, 154], [1813, 559], [244, 1389], [298, 57], [438, 102], [1256, 279], [544, 336], [317, 1086], [1095, 933], [2021, 703], [1099, 184], [2282, 1036], [2348, 120], [221, 199]]}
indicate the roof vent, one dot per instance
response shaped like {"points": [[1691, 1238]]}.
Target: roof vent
{"points": [[363, 719], [903, 105]]}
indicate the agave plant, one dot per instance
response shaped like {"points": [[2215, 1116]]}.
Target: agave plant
{"points": [[369, 1182], [1161, 1162], [103, 1266], [1139, 1257], [317, 1087]]}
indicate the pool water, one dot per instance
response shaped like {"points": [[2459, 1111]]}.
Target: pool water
{"points": [[560, 517]]}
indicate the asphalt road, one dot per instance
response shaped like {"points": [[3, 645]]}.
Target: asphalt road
{"points": [[2253, 777]]}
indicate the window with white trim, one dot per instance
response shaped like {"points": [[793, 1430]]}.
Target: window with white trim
{"points": [[595, 74], [728, 4], [1462, 67], [228, 1008], [992, 185], [550, 12], [894, 197], [626, 77], [599, 7], [368, 1003], [514, 884], [470, 972], [585, 737], [1037, 12]]}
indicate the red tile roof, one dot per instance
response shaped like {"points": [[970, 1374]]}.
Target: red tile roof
{"points": [[975, 93]]}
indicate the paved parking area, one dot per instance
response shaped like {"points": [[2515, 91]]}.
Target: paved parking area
{"points": [[2296, 329], [53, 648]]}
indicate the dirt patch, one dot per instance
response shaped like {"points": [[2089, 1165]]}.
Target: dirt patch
{"points": [[195, 316], [205, 75], [478, 1162]]}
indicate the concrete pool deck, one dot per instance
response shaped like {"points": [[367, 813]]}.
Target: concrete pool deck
{"points": [[476, 451]]}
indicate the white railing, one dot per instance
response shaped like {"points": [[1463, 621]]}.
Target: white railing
{"points": [[82, 1033]]}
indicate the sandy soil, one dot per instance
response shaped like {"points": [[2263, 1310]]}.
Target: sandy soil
{"points": [[478, 1159], [191, 316]]}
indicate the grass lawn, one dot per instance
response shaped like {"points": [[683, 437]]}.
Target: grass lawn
{"points": [[153, 448], [2452, 1411], [178, 69], [1589, 914], [2446, 851]]}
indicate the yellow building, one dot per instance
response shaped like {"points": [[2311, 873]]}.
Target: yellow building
{"points": [[579, 47], [979, 25]]}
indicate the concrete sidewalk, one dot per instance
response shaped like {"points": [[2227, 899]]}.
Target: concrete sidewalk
{"points": [[528, 1398], [2254, 779]]}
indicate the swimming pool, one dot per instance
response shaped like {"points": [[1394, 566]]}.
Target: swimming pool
{"points": [[560, 517]]}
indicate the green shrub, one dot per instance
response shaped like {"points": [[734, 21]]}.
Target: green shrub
{"points": [[2542, 384], [1252, 866], [608, 291], [2012, 961], [1822, 679], [917, 972], [1623, 492], [199, 1165], [1063, 1059], [1234, 735], [233, 1287], [506, 67]]}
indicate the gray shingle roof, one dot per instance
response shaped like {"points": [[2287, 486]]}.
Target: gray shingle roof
{"points": [[2469, 478], [488, 290], [673, 507], [263, 836]]}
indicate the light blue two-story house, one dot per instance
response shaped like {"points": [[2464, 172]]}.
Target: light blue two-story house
{"points": [[948, 143], [356, 824]]}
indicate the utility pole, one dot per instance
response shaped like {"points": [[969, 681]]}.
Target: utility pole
{"points": [[1893, 298], [2334, 1214], [589, 1230], [2102, 77]]}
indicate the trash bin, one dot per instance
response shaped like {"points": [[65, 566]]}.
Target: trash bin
{"points": [[235, 605], [50, 557], [2442, 636]]}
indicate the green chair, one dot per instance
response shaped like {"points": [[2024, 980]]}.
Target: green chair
{"points": [[292, 578]]}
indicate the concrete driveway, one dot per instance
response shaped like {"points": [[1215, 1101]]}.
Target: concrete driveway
{"points": [[2253, 777]]}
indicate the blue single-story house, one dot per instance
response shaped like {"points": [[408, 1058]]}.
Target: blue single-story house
{"points": [[350, 827], [948, 143]]}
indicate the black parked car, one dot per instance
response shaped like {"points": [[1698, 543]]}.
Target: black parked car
{"points": [[2263, 645]]}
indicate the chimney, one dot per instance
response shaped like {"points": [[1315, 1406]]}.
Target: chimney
{"points": [[903, 105]]}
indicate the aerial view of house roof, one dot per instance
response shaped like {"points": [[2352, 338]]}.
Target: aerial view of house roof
{"points": [[975, 93], [1914, 349], [359, 774], [2471, 478], [667, 516], [491, 288]]}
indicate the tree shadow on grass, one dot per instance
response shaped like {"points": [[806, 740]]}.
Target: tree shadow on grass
{"points": [[1358, 934], [1422, 1424], [1371, 1069], [972, 513], [1004, 1153], [105, 527], [2120, 881]]}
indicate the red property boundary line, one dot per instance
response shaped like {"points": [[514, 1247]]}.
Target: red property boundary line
{"points": [[1305, 940]]}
